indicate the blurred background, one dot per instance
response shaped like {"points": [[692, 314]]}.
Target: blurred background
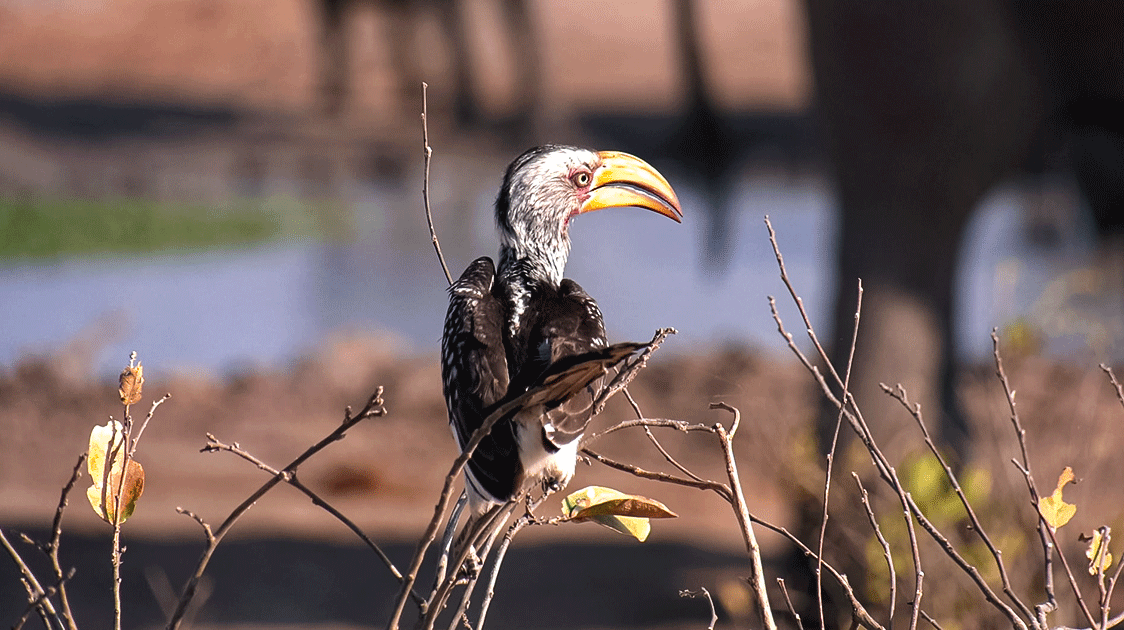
{"points": [[232, 188]]}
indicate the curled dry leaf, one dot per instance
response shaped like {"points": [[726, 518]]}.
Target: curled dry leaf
{"points": [[131, 383], [625, 513], [1054, 510], [109, 442], [1100, 559]]}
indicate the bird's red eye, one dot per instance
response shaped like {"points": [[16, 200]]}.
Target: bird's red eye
{"points": [[581, 179]]}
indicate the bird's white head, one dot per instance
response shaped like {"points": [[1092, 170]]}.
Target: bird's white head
{"points": [[547, 186]]}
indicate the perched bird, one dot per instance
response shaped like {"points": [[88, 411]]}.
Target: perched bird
{"points": [[523, 331]]}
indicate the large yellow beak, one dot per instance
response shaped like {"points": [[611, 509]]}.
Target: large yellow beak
{"points": [[625, 180]]}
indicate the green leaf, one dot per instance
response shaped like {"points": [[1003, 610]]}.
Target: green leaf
{"points": [[624, 513], [109, 442], [1054, 510]]}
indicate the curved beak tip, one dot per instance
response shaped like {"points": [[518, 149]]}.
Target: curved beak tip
{"points": [[626, 180]]}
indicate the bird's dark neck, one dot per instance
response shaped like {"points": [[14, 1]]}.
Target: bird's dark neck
{"points": [[532, 267], [522, 279]]}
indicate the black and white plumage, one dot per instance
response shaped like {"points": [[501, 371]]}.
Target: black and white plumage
{"points": [[522, 330]]}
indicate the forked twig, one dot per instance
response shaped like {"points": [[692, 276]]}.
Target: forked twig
{"points": [[37, 595], [851, 411], [52, 547], [899, 394], [373, 408], [886, 553], [1051, 603], [290, 477], [702, 592]]}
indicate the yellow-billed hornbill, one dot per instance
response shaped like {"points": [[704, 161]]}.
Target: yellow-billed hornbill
{"points": [[518, 327]]}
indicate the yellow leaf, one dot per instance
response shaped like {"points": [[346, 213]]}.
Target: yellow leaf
{"points": [[131, 383], [1054, 510], [108, 443], [625, 513], [1099, 557]]}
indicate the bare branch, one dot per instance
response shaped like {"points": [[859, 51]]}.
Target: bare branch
{"points": [[152, 410], [527, 519], [831, 451], [198, 519], [1020, 433], [656, 443], [932, 622], [788, 602], [722, 490], [52, 547], [882, 541], [37, 595], [624, 377], [858, 611], [702, 592], [899, 394], [373, 408], [741, 511], [427, 151], [800, 304], [37, 603]]}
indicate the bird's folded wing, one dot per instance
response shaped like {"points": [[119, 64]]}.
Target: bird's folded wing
{"points": [[565, 396]]}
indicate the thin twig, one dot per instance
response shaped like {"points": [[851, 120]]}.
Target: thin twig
{"points": [[199, 519], [788, 602], [722, 490], [36, 604], [918, 574], [523, 521], [881, 463], [427, 152], [965, 566], [373, 408], [899, 394], [886, 553], [290, 477], [52, 547], [1072, 578], [1051, 602], [447, 541], [800, 304], [481, 537], [741, 511], [656, 443], [858, 611], [831, 458], [702, 592], [625, 375], [430, 534], [151, 412], [35, 590], [932, 622]]}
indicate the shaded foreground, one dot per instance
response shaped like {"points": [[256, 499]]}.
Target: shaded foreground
{"points": [[290, 563]]}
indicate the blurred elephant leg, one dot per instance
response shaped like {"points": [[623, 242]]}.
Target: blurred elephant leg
{"points": [[453, 21], [528, 66], [402, 19], [923, 108], [334, 65], [907, 263]]}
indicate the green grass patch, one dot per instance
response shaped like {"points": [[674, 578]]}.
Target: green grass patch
{"points": [[36, 228]]}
